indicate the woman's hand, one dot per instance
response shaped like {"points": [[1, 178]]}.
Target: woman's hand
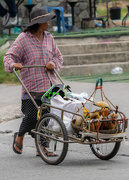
{"points": [[50, 65], [18, 66]]}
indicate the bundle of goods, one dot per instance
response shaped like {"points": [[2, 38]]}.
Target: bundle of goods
{"points": [[105, 119]]}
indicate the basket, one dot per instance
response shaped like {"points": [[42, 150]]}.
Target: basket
{"points": [[78, 129], [101, 126], [105, 119]]}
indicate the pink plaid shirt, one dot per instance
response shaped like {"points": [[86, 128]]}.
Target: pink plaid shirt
{"points": [[28, 50]]}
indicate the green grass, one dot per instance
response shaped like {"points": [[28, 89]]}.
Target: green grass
{"points": [[6, 77], [124, 11], [115, 31], [2, 41], [103, 11], [107, 77], [94, 32], [6, 38], [88, 32]]}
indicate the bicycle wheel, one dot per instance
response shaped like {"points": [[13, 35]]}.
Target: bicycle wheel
{"points": [[53, 127], [105, 151]]}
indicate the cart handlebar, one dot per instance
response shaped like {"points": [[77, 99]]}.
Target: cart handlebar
{"points": [[99, 80], [39, 66], [57, 74]]}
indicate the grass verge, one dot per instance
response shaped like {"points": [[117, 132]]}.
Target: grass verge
{"points": [[107, 77], [89, 32], [94, 32], [6, 77]]}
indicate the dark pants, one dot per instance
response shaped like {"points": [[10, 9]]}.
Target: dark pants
{"points": [[11, 6], [30, 119]]}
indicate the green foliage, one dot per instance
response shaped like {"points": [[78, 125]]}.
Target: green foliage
{"points": [[100, 1], [114, 2], [103, 11], [2, 41], [6, 77]]}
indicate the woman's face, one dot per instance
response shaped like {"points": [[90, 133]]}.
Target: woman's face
{"points": [[44, 26]]}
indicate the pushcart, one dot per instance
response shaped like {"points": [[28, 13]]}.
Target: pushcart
{"points": [[103, 133]]}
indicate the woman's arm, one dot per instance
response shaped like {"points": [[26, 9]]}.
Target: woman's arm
{"points": [[14, 55], [57, 60]]}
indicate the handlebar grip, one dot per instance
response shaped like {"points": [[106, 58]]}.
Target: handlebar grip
{"points": [[68, 87], [99, 80]]}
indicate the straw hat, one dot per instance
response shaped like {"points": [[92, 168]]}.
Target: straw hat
{"points": [[39, 15]]}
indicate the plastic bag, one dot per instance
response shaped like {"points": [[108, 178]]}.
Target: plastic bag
{"points": [[84, 95], [67, 122], [79, 97], [69, 105], [117, 70]]}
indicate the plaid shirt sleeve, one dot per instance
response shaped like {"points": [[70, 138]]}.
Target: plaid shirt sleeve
{"points": [[57, 57], [14, 55]]}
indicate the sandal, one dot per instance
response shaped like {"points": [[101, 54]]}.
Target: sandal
{"points": [[14, 143], [37, 153], [50, 154]]}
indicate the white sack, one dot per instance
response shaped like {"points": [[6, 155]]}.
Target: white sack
{"points": [[68, 105]]}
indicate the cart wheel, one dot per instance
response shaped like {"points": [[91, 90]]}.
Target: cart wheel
{"points": [[105, 151], [53, 127]]}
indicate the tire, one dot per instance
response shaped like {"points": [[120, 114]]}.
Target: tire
{"points": [[105, 151], [52, 126]]}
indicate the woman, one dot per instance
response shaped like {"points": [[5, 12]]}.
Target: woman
{"points": [[34, 46]]}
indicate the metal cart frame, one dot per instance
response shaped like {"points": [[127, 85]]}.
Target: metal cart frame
{"points": [[90, 138]]}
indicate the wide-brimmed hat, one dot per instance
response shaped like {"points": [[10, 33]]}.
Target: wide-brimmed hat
{"points": [[39, 15]]}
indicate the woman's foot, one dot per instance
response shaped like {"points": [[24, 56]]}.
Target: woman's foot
{"points": [[50, 154], [17, 143]]}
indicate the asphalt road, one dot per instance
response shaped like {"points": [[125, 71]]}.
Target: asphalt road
{"points": [[79, 164]]}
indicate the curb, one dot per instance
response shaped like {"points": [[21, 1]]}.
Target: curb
{"points": [[10, 112]]}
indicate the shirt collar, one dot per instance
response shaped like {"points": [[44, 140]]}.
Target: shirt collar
{"points": [[30, 34]]}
